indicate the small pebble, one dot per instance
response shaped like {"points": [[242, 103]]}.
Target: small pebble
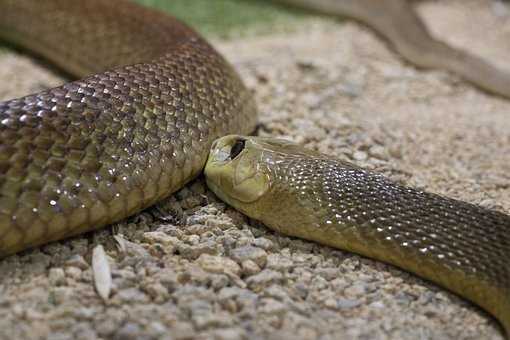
{"points": [[257, 255], [218, 264], [77, 261], [249, 267], [263, 279], [57, 276]]}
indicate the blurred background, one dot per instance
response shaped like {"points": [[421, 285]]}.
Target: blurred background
{"points": [[232, 18]]}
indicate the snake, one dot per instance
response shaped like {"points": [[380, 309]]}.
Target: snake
{"points": [[154, 103]]}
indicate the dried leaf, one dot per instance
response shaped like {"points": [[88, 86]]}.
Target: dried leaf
{"points": [[121, 244], [130, 248], [102, 273]]}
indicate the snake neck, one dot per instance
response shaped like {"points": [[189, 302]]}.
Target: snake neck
{"points": [[460, 246]]}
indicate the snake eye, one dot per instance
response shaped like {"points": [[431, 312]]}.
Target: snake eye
{"points": [[237, 148]]}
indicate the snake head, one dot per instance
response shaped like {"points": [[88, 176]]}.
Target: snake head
{"points": [[248, 173], [234, 171]]}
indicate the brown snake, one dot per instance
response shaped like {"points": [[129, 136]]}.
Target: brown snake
{"points": [[94, 151]]}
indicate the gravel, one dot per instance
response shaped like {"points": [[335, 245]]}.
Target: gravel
{"points": [[192, 267]]}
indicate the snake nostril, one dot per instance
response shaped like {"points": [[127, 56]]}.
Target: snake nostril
{"points": [[237, 148]]}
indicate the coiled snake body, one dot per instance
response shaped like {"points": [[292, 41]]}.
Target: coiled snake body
{"points": [[91, 152]]}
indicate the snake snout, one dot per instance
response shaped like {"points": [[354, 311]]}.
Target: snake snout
{"points": [[233, 170], [227, 148]]}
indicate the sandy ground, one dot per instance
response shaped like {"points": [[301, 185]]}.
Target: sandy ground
{"points": [[191, 267]]}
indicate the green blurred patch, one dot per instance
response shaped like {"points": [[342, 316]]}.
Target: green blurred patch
{"points": [[232, 18]]}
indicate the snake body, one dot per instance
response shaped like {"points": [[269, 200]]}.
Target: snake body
{"points": [[91, 152], [305, 194], [398, 22], [94, 151]]}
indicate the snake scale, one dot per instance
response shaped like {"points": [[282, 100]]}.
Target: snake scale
{"points": [[140, 123], [93, 151]]}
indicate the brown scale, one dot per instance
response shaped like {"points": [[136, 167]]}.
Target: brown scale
{"points": [[302, 193], [96, 150]]}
